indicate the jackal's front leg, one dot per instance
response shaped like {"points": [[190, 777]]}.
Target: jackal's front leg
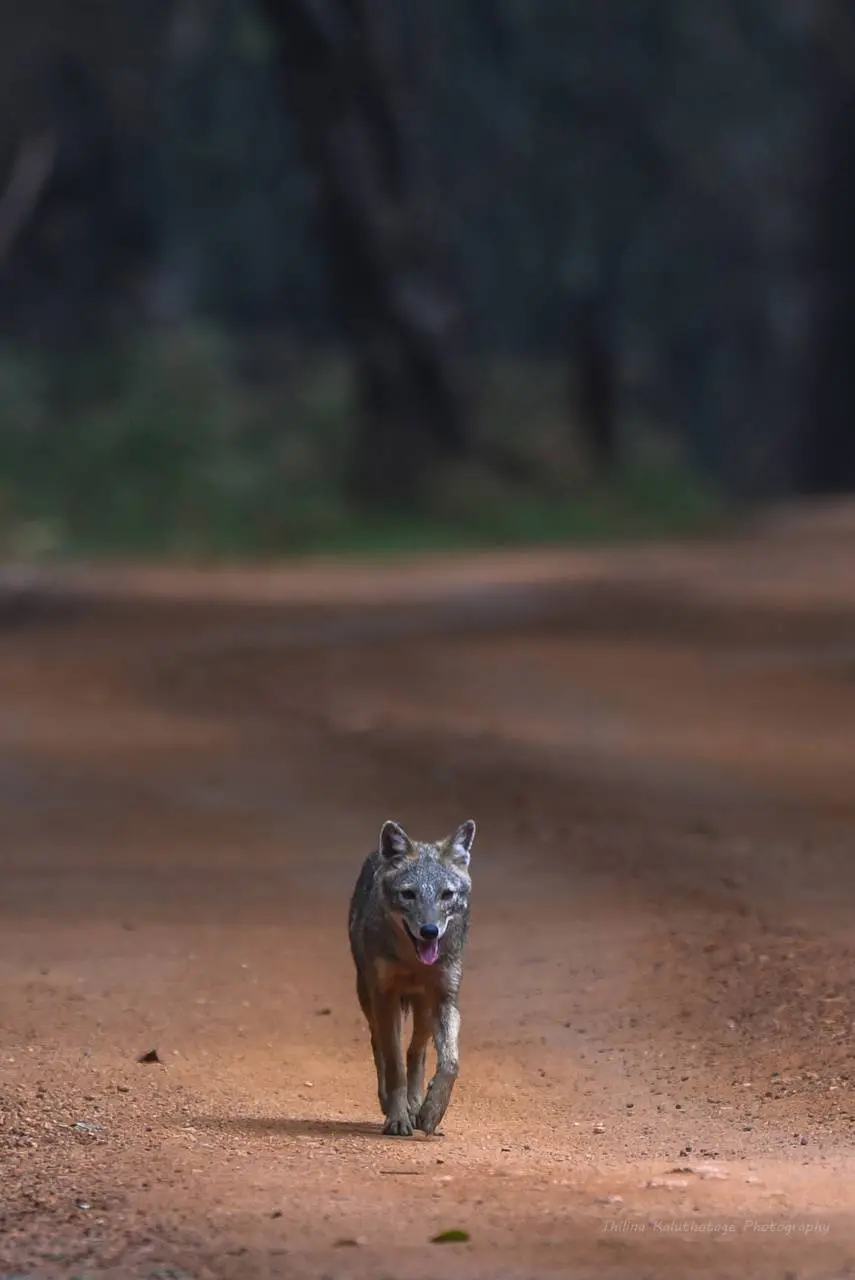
{"points": [[446, 1036], [416, 1054], [389, 1025], [367, 1007], [380, 1068]]}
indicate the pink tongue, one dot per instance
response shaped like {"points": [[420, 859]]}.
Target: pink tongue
{"points": [[429, 951]]}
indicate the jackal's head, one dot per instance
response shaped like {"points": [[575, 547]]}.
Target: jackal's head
{"points": [[426, 885]]}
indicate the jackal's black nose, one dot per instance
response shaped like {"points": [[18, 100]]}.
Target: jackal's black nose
{"points": [[429, 932]]}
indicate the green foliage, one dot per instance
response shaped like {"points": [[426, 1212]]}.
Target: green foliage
{"points": [[168, 449]]}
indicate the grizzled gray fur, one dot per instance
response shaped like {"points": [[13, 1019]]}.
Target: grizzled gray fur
{"points": [[409, 917]]}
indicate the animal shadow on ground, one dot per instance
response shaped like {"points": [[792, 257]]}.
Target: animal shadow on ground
{"points": [[269, 1126]]}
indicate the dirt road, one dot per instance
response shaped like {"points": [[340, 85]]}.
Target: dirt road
{"points": [[656, 1070]]}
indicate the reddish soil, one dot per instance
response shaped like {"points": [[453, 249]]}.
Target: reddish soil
{"points": [[657, 1073]]}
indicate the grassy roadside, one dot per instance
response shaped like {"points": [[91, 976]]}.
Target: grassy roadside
{"points": [[169, 451]]}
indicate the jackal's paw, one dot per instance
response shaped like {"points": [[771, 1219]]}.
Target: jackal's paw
{"points": [[429, 1115], [398, 1126]]}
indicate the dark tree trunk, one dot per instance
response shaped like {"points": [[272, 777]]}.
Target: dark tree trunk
{"points": [[827, 461], [62, 246], [380, 261], [594, 379], [595, 359]]}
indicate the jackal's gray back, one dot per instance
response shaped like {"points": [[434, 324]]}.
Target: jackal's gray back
{"points": [[364, 902]]}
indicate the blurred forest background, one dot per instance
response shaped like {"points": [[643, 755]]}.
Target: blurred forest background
{"points": [[279, 274]]}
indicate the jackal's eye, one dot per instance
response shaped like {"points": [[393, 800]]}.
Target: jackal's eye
{"points": [[409, 895], [446, 894]]}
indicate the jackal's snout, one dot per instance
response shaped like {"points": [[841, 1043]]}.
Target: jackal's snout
{"points": [[426, 939]]}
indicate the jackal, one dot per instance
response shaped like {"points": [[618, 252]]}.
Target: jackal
{"points": [[409, 918]]}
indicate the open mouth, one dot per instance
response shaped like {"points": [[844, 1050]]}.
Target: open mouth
{"points": [[427, 949]]}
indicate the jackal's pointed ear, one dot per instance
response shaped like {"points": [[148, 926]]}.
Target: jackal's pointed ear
{"points": [[394, 841], [459, 846]]}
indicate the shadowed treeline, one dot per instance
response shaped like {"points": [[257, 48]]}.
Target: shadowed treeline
{"points": [[262, 260]]}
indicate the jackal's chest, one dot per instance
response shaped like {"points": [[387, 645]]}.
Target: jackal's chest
{"points": [[406, 981]]}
